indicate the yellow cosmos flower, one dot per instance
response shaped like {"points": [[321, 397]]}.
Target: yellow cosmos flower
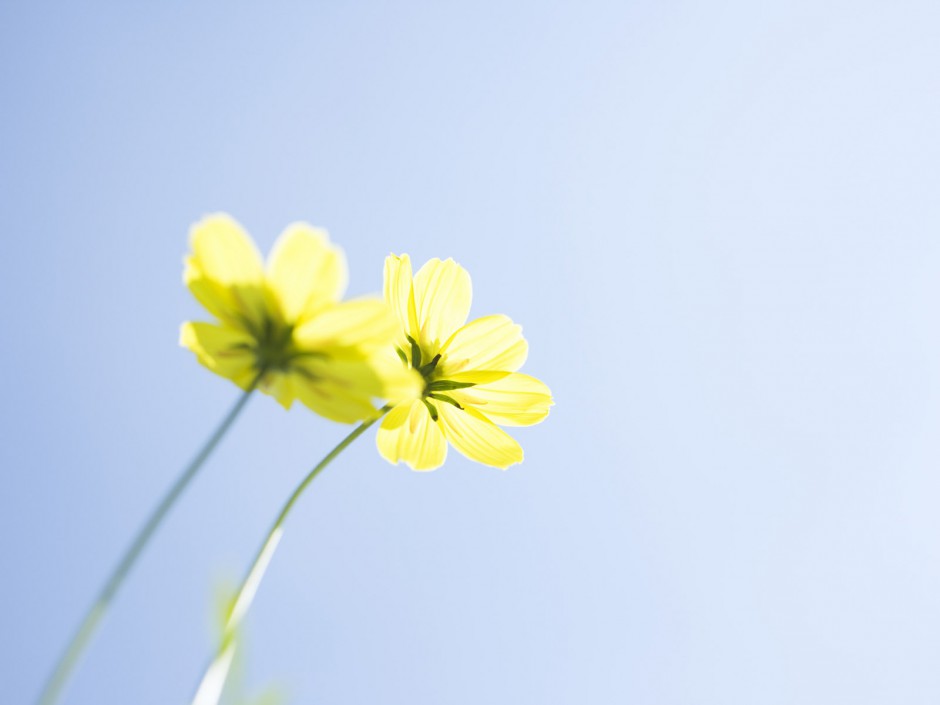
{"points": [[469, 372], [283, 328]]}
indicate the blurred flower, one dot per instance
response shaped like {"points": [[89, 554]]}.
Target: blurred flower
{"points": [[283, 328], [469, 372]]}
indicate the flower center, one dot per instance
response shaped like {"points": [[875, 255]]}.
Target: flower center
{"points": [[434, 386], [275, 346]]}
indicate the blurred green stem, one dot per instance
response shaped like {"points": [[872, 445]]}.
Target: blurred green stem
{"points": [[70, 656], [213, 681]]}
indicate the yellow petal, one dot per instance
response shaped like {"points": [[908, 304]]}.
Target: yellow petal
{"points": [[281, 387], [222, 349], [514, 400], [216, 297], [477, 438], [442, 294], [305, 271], [399, 292], [381, 376], [333, 398], [398, 382], [360, 324], [477, 376], [224, 271], [407, 434], [489, 343], [223, 251]]}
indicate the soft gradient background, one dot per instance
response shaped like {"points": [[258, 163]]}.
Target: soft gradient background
{"points": [[719, 224]]}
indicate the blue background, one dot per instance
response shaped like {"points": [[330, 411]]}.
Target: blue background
{"points": [[719, 224]]}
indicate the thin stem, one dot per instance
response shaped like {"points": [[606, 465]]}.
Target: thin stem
{"points": [[79, 641], [213, 681]]}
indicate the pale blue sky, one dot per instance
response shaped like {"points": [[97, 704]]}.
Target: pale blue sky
{"points": [[718, 224]]}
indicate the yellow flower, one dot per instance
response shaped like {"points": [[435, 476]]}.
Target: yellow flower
{"points": [[469, 372], [283, 326]]}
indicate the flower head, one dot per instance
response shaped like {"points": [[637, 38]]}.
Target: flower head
{"points": [[283, 327], [469, 372]]}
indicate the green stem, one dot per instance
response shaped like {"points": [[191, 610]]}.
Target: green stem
{"points": [[213, 681], [79, 641]]}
